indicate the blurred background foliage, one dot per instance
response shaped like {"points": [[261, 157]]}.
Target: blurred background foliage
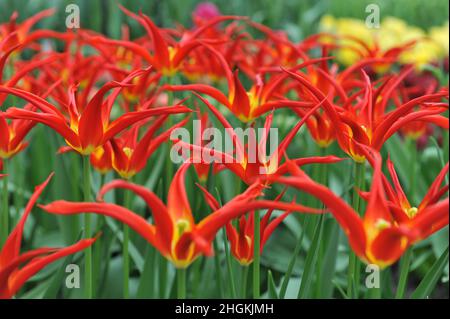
{"points": [[298, 17]]}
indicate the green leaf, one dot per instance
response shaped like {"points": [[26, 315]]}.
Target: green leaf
{"points": [[147, 280], [134, 253], [311, 260], [430, 280], [272, 287]]}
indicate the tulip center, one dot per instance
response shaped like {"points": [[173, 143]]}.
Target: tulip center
{"points": [[128, 151], [182, 225], [411, 212], [382, 224]]}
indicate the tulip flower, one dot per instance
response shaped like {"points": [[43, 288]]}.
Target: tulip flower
{"points": [[242, 239], [19, 74], [20, 34], [380, 236], [101, 158], [367, 123], [202, 169], [92, 128], [252, 165], [400, 207], [249, 105], [273, 51], [174, 232], [130, 156], [12, 134], [167, 56], [16, 267]]}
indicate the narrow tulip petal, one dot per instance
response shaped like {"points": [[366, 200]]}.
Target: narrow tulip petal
{"points": [[268, 231], [37, 101], [329, 159], [25, 273], [11, 248], [290, 136], [177, 202], [134, 221], [56, 123], [201, 88], [393, 116], [398, 188], [434, 188], [431, 219], [240, 103], [12, 265], [4, 133], [91, 125], [349, 220], [388, 246], [130, 118], [229, 129], [418, 115], [209, 198], [160, 45], [163, 223]]}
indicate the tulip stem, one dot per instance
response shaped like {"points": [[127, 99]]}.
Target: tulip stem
{"points": [[244, 278], [404, 271], [291, 264], [162, 276], [353, 266], [229, 266], [87, 228], [218, 269], [5, 209], [256, 256], [181, 283]]}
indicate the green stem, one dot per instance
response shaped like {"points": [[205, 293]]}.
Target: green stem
{"points": [[256, 257], [218, 270], [229, 267], [405, 263], [244, 279], [181, 283], [196, 275], [162, 276], [97, 252], [87, 228], [18, 194], [291, 264], [5, 207], [353, 268]]}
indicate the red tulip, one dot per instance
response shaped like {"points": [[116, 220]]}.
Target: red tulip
{"points": [[15, 34], [380, 236], [400, 207], [242, 239], [15, 267], [249, 105], [167, 55], [101, 158], [252, 165], [367, 123], [130, 156], [174, 233], [92, 128], [12, 134]]}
